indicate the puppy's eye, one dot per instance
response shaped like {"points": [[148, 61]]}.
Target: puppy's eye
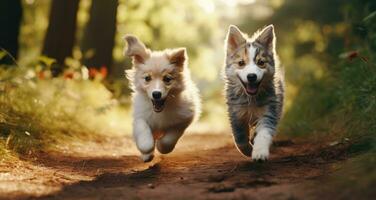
{"points": [[241, 63], [167, 79], [260, 63], [147, 78]]}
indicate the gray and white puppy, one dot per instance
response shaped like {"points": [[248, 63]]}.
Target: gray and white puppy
{"points": [[254, 89]]}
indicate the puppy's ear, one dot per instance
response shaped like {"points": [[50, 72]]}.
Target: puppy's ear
{"points": [[136, 49], [177, 56], [267, 37], [234, 39]]}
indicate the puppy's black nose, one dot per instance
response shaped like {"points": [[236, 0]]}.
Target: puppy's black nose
{"points": [[157, 95], [251, 78]]}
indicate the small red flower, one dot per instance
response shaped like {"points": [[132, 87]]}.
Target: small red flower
{"points": [[68, 75], [103, 71], [351, 55], [41, 75], [92, 72]]}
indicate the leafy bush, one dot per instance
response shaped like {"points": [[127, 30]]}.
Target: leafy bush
{"points": [[342, 101], [35, 112]]}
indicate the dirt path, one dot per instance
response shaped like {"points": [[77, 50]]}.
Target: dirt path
{"points": [[202, 167]]}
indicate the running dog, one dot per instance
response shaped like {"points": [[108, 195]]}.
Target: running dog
{"points": [[165, 100], [254, 86]]}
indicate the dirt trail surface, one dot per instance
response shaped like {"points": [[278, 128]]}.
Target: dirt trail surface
{"points": [[201, 167]]}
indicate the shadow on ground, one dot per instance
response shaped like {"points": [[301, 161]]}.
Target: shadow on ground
{"points": [[220, 173]]}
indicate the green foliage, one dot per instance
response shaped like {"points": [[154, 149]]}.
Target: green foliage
{"points": [[341, 101], [35, 112]]}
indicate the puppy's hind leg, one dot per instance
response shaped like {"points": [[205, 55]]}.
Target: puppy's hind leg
{"points": [[240, 131], [167, 143], [144, 139]]}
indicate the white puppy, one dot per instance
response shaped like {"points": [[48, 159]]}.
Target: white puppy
{"points": [[165, 100]]}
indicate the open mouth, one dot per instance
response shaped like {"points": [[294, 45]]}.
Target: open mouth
{"points": [[158, 105], [250, 88]]}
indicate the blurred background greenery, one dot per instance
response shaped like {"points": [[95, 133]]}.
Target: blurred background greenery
{"points": [[65, 78]]}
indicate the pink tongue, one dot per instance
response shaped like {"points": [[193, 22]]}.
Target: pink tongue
{"points": [[251, 89]]}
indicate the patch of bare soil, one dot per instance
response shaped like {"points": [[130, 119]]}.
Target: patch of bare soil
{"points": [[201, 167]]}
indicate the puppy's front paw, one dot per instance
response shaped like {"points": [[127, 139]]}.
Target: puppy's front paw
{"points": [[147, 157], [261, 146], [260, 153]]}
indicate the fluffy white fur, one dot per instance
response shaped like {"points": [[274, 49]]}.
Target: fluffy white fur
{"points": [[160, 128]]}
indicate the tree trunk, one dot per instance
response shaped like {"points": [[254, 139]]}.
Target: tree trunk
{"points": [[100, 33], [60, 36], [10, 21]]}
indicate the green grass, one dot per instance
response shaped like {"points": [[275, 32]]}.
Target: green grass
{"points": [[37, 114], [345, 97], [341, 102]]}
